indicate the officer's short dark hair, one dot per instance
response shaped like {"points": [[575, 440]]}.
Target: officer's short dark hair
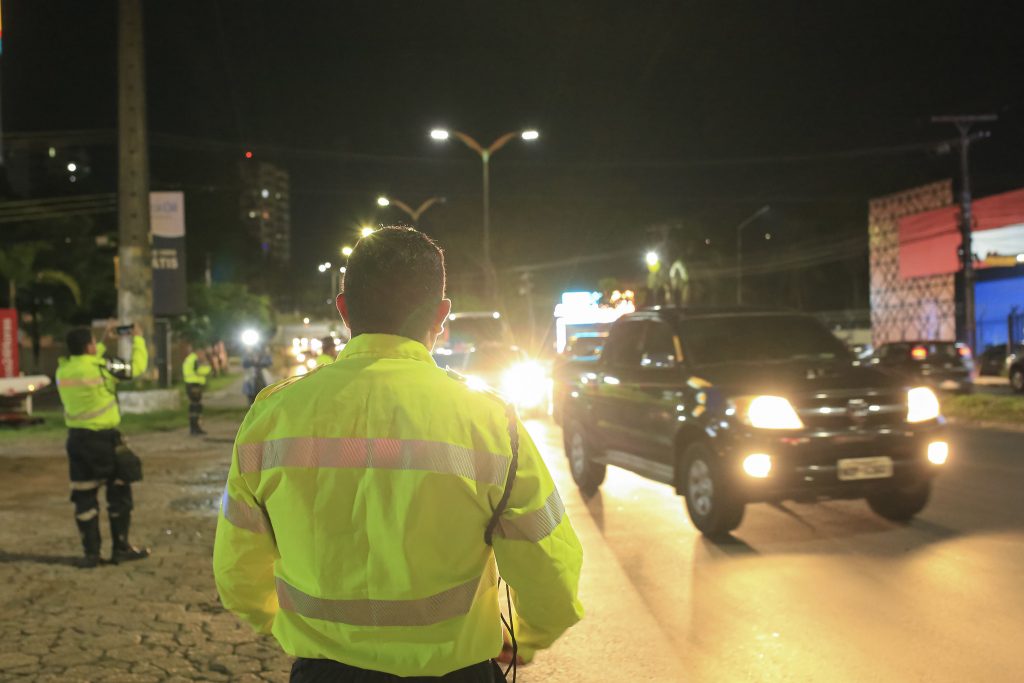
{"points": [[394, 281], [78, 341], [327, 342]]}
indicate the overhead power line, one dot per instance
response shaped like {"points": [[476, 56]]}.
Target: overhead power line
{"points": [[195, 143]]}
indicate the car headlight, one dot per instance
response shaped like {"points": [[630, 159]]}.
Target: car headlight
{"points": [[476, 384], [922, 405], [769, 412], [525, 384]]}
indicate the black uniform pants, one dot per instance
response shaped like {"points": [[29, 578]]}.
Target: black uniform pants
{"points": [[329, 671], [92, 464], [195, 400]]}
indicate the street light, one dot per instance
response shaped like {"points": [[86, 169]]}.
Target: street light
{"points": [[414, 214], [485, 153], [366, 231], [739, 248], [652, 259], [333, 279], [346, 251]]}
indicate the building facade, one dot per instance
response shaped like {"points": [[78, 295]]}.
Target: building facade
{"points": [[265, 209]]}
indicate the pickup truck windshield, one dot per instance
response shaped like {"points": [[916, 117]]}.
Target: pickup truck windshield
{"points": [[765, 338]]}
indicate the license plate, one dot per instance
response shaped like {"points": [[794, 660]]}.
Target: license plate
{"points": [[950, 384], [864, 468]]}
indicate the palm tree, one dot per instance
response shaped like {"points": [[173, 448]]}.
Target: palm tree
{"points": [[17, 266]]}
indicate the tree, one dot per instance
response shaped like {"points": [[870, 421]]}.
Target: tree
{"points": [[221, 311], [17, 266]]}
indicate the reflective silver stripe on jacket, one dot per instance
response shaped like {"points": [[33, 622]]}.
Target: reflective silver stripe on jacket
{"points": [[243, 516], [88, 415], [536, 524], [82, 382], [387, 454], [454, 602]]}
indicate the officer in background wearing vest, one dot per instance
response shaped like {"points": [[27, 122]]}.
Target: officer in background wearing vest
{"points": [[352, 526], [88, 390], [328, 351], [194, 371]]}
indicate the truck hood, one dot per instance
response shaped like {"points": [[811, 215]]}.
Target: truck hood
{"points": [[796, 377]]}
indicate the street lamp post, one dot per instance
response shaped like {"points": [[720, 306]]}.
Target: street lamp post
{"points": [[739, 249], [485, 153], [414, 214]]}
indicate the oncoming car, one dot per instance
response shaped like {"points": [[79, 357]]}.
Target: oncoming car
{"points": [[740, 406], [505, 369]]}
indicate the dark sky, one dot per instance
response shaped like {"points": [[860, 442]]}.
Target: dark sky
{"points": [[651, 113]]}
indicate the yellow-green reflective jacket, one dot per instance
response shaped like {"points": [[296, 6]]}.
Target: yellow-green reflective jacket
{"points": [[324, 359], [89, 392], [352, 523], [192, 372]]}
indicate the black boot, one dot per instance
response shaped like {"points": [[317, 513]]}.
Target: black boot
{"points": [[193, 426], [89, 531], [124, 551]]}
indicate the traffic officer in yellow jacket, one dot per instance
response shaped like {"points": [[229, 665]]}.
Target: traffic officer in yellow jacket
{"points": [[328, 351], [353, 523], [87, 388], [194, 371]]}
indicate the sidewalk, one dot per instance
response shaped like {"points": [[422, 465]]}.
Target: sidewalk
{"points": [[154, 620]]}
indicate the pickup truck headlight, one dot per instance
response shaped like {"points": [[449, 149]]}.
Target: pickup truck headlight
{"points": [[769, 412], [922, 405], [525, 384]]}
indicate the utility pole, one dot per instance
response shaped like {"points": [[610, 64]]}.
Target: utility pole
{"points": [[135, 290], [963, 124]]}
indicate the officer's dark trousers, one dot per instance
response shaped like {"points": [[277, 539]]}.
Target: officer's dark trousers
{"points": [[195, 406], [91, 464], [328, 671]]}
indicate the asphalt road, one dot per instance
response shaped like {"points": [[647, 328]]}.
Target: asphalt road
{"points": [[825, 592]]}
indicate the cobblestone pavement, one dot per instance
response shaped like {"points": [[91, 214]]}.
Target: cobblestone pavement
{"points": [[154, 620]]}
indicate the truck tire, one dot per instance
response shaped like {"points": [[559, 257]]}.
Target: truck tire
{"points": [[903, 504], [587, 474], [713, 508], [1017, 379]]}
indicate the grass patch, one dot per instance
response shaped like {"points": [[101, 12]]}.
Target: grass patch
{"points": [[52, 425], [985, 408]]}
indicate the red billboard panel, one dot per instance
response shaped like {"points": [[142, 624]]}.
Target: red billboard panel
{"points": [[8, 342]]}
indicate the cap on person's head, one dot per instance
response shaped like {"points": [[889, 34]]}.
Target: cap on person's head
{"points": [[393, 283], [78, 341]]}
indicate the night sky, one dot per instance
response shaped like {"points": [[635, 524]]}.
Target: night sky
{"points": [[679, 114]]}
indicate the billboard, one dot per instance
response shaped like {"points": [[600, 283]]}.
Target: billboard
{"points": [[167, 226]]}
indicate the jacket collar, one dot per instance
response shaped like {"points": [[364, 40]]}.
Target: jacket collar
{"points": [[386, 346]]}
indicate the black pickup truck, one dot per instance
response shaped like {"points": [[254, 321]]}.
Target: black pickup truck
{"points": [[736, 406]]}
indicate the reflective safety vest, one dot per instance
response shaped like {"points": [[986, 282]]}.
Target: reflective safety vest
{"points": [[89, 392], [352, 523], [192, 372], [324, 359]]}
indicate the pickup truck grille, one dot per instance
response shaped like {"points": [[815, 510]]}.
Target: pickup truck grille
{"points": [[851, 410]]}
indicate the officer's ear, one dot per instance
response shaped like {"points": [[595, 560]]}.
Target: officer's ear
{"points": [[342, 309], [443, 309]]}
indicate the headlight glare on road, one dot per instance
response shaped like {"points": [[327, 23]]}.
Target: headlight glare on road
{"points": [[770, 412], [938, 452], [922, 405], [525, 384], [758, 465]]}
